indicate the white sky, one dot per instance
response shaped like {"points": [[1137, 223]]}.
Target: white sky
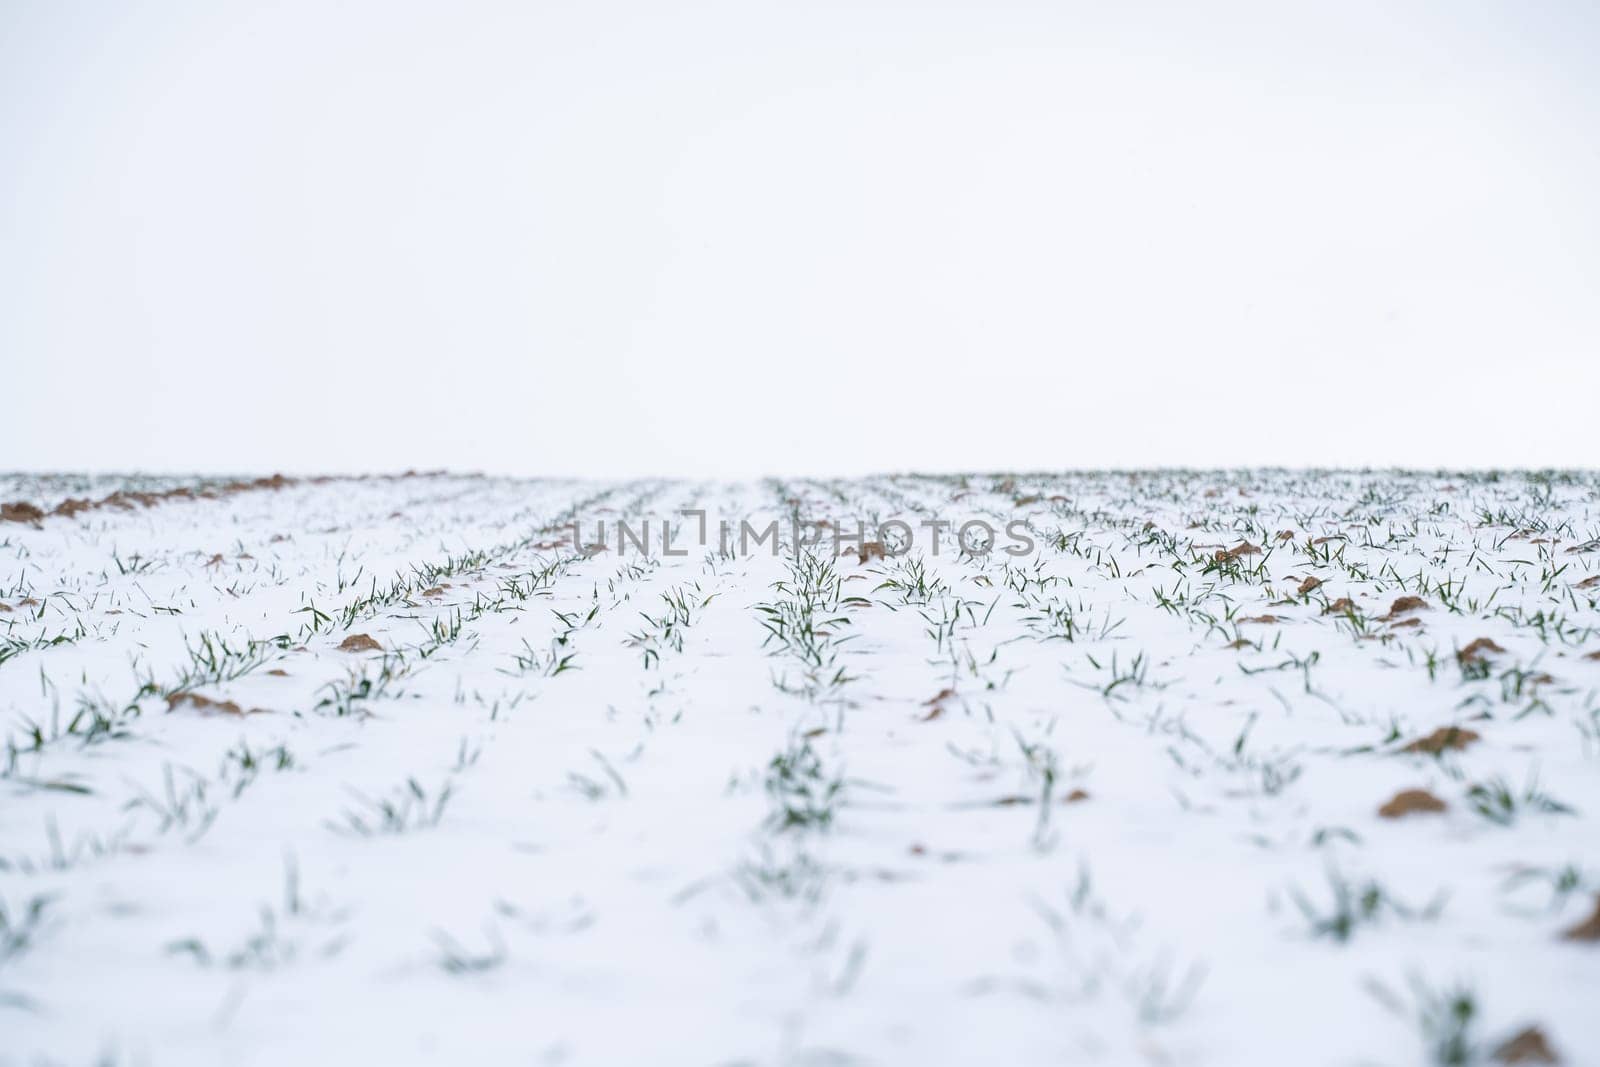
{"points": [[810, 237]]}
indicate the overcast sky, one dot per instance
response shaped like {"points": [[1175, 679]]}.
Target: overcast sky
{"points": [[809, 237]]}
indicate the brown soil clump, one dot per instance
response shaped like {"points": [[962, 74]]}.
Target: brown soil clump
{"points": [[1527, 1046], [1243, 548], [1411, 801], [20, 511], [206, 704], [1453, 738], [869, 551], [1589, 582], [1340, 606], [359, 643], [1309, 584], [1477, 648], [1589, 929], [1405, 604], [1262, 618]]}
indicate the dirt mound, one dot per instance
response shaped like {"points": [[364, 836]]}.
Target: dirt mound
{"points": [[1477, 648], [20, 511], [1405, 604], [1527, 1046], [1410, 802], [359, 643]]}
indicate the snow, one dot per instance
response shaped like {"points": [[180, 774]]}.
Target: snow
{"points": [[741, 825]]}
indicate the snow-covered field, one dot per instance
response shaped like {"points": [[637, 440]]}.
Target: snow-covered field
{"points": [[389, 770]]}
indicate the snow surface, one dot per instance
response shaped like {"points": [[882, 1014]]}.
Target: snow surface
{"points": [[712, 808]]}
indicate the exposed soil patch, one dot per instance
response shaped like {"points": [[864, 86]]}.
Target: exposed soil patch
{"points": [[20, 511], [1309, 584], [359, 643], [1527, 1046], [1589, 929], [206, 704], [1411, 802], [1477, 649], [1405, 604], [1451, 738], [1341, 606]]}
